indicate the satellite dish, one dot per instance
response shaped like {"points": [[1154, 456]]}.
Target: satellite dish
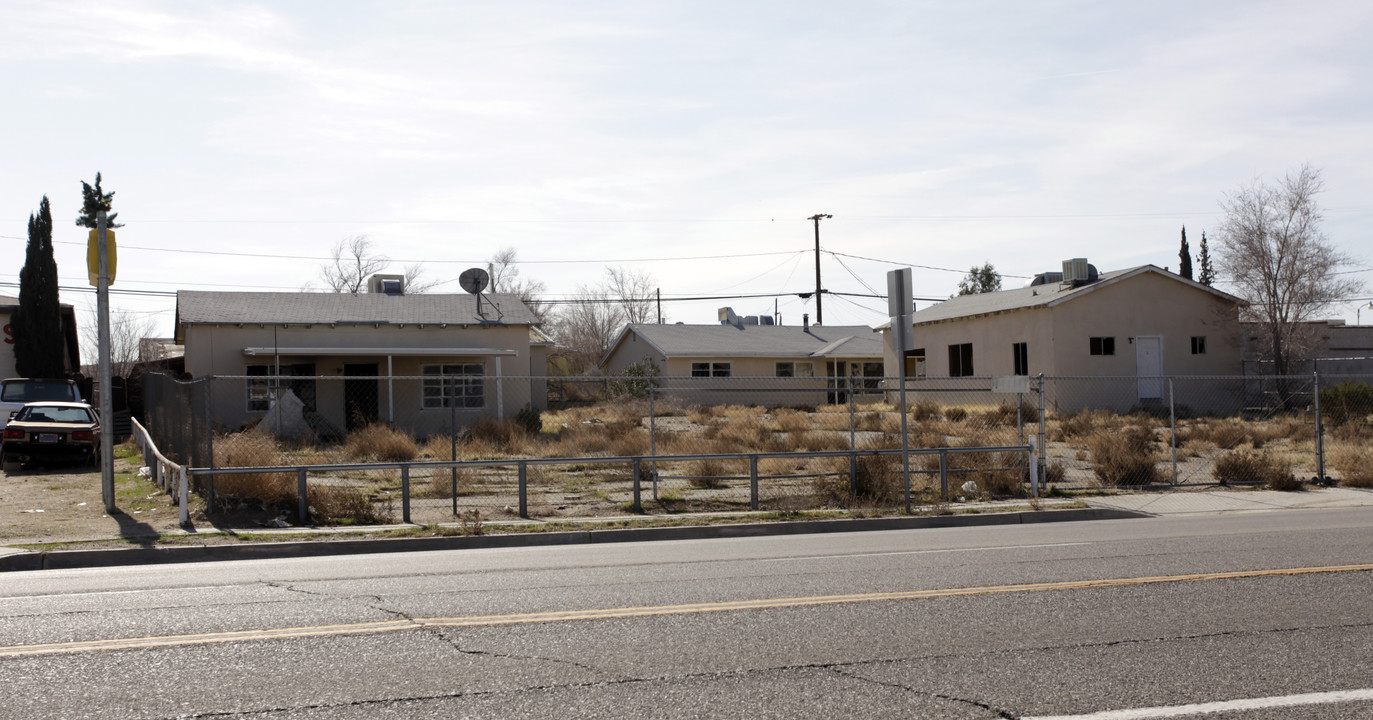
{"points": [[474, 280]]}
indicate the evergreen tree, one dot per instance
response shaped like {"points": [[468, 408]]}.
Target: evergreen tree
{"points": [[38, 339], [1185, 257], [1208, 274], [93, 200]]}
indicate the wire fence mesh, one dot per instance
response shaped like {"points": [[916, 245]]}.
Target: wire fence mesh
{"points": [[713, 444]]}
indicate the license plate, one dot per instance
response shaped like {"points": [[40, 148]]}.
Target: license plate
{"points": [[49, 437]]}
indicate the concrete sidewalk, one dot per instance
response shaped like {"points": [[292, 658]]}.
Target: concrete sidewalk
{"points": [[1215, 501]]}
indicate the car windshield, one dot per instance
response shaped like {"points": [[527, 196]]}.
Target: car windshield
{"points": [[55, 415], [34, 391]]}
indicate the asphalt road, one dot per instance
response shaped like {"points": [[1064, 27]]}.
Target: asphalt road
{"points": [[1242, 616]]}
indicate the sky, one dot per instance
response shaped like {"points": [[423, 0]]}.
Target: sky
{"points": [[686, 140]]}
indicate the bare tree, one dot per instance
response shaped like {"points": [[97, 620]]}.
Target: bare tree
{"points": [[505, 278], [1274, 252], [354, 261], [634, 290], [585, 327], [127, 329]]}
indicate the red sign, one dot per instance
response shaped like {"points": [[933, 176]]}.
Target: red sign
{"points": [[9, 335]]}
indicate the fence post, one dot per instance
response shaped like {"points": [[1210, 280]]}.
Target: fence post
{"points": [[638, 505], [184, 498], [853, 425], [303, 510], [1320, 429], [652, 429], [853, 473], [753, 481], [944, 474], [209, 421], [1173, 430], [209, 494], [405, 493], [1034, 468], [1043, 446], [452, 441], [524, 490]]}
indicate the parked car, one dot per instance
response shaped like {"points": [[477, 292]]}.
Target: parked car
{"points": [[44, 432], [15, 392]]}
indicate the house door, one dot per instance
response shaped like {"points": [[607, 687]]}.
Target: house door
{"points": [[1149, 366], [359, 395]]}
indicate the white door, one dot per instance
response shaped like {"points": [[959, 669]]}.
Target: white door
{"points": [[1149, 366]]}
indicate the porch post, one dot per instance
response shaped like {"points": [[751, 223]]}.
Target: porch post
{"points": [[500, 391]]}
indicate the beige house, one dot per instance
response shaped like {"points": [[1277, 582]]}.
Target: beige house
{"points": [[759, 364], [422, 362], [1136, 326], [71, 356]]}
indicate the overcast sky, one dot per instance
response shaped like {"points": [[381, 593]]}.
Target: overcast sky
{"points": [[689, 140]]}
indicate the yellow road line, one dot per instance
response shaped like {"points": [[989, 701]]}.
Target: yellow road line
{"points": [[630, 612]]}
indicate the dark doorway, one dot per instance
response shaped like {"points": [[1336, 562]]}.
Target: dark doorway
{"points": [[360, 394]]}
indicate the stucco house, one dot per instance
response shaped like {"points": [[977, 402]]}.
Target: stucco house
{"points": [[419, 361], [1135, 326], [744, 361], [71, 346]]}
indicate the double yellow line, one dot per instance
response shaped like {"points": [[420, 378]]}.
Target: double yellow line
{"points": [[631, 612]]}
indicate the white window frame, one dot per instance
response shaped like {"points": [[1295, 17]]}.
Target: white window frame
{"points": [[456, 384], [712, 369], [795, 369]]}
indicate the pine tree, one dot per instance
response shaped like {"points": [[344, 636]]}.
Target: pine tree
{"points": [[93, 200], [1208, 275], [38, 339], [1185, 257]]}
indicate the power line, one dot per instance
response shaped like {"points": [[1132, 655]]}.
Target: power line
{"points": [[453, 262], [923, 267]]}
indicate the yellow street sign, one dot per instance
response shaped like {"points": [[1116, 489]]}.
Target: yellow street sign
{"points": [[93, 256]]}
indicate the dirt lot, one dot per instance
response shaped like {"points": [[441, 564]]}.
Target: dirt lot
{"points": [[63, 504]]}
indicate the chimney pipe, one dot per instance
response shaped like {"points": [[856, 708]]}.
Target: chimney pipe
{"points": [[805, 321]]}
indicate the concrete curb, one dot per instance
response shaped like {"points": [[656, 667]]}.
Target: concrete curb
{"points": [[71, 559]]}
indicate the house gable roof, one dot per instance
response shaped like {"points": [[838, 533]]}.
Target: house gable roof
{"points": [[197, 307], [1048, 296], [818, 341]]}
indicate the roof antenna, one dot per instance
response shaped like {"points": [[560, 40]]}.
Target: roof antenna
{"points": [[474, 280]]}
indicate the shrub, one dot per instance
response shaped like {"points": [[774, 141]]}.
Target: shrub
{"points": [[1354, 462], [380, 442], [789, 420], [1248, 466], [923, 410], [955, 414], [530, 419], [505, 436], [1125, 458], [1348, 401], [879, 480], [709, 473], [345, 505]]}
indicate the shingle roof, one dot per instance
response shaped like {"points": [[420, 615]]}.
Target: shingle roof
{"points": [[307, 308], [1038, 296], [759, 340]]}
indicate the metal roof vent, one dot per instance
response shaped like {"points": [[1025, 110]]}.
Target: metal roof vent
{"points": [[386, 284]]}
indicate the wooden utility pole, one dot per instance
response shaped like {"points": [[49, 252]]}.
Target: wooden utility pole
{"points": [[819, 313]]}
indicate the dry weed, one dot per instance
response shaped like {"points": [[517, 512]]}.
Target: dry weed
{"points": [[378, 442], [1248, 466], [1126, 458], [789, 420], [1354, 462]]}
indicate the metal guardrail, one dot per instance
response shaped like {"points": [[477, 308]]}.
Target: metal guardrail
{"points": [[636, 461], [163, 470]]}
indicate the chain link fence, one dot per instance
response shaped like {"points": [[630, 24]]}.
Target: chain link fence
{"points": [[436, 448]]}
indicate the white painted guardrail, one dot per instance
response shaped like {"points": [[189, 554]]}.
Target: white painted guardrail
{"points": [[168, 476]]}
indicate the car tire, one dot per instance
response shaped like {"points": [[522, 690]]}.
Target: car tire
{"points": [[8, 465]]}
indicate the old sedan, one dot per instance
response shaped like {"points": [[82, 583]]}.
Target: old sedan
{"points": [[52, 431]]}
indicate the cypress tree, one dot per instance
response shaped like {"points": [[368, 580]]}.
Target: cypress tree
{"points": [[1208, 274], [1185, 257], [38, 339]]}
